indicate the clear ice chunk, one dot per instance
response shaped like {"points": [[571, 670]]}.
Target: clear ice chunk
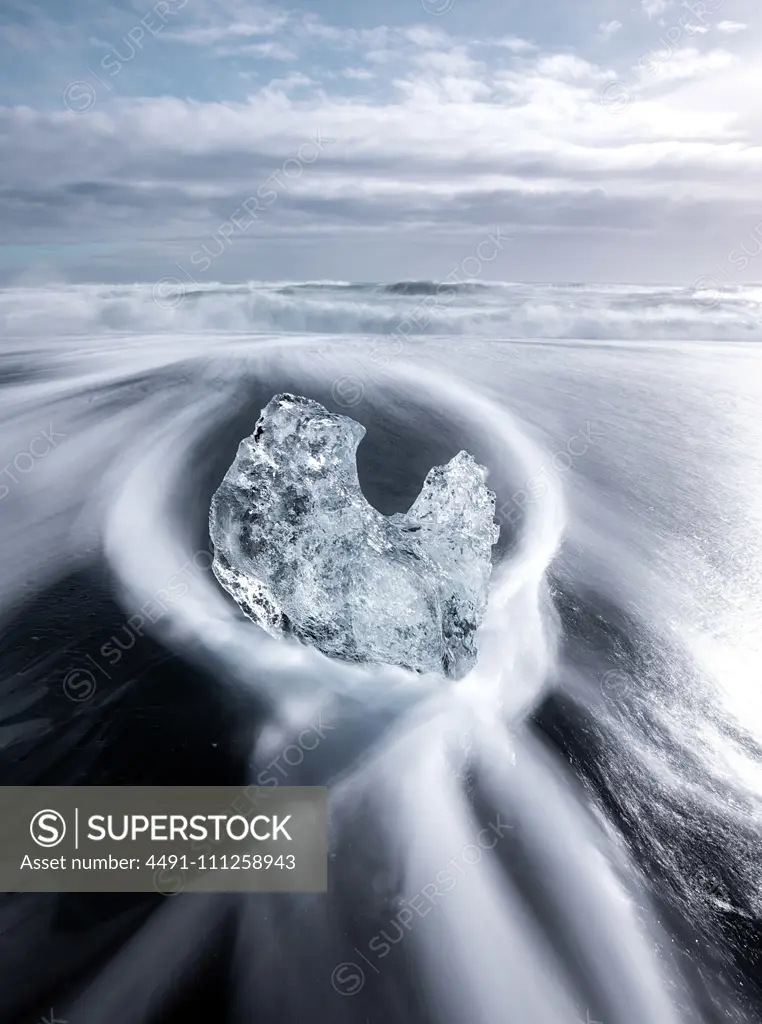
{"points": [[303, 553]]}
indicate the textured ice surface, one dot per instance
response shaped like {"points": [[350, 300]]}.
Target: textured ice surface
{"points": [[303, 553]]}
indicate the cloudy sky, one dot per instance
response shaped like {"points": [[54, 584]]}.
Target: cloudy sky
{"points": [[607, 140]]}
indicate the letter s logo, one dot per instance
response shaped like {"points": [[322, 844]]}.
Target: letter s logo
{"points": [[47, 828]]}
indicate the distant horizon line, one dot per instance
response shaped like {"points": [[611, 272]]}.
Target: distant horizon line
{"points": [[390, 282]]}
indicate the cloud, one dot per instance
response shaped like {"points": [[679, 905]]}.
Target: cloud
{"points": [[731, 27], [261, 23], [664, 66], [435, 134], [654, 8], [270, 50], [567, 66], [454, 130], [609, 28], [513, 43], [358, 74]]}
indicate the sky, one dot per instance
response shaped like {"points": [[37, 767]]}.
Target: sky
{"points": [[228, 140]]}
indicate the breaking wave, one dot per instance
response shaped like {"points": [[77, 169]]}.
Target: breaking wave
{"points": [[469, 309]]}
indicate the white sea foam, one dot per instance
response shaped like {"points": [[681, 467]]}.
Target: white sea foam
{"points": [[505, 310]]}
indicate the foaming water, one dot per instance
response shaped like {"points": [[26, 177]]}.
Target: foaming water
{"points": [[411, 309], [570, 833]]}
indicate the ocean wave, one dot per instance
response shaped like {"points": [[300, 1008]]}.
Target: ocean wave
{"points": [[433, 288], [410, 309]]}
